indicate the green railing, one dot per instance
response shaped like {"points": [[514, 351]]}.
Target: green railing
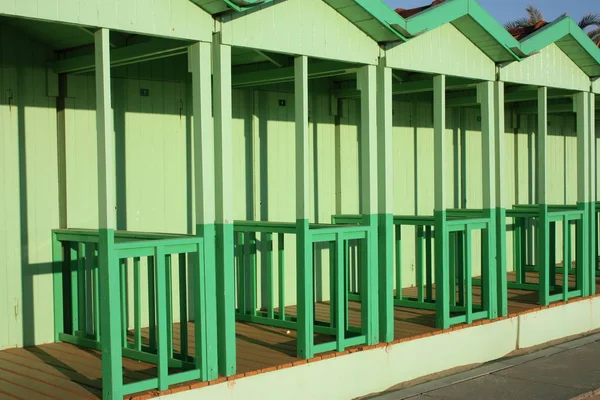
{"points": [[460, 225], [156, 258], [596, 238], [529, 219], [262, 261]]}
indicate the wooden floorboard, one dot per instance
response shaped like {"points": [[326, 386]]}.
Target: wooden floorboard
{"points": [[61, 370]]}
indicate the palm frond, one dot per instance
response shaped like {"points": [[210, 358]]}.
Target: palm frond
{"points": [[535, 14], [522, 22], [590, 19], [595, 36]]}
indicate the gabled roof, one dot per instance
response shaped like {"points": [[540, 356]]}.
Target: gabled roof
{"points": [[385, 25], [569, 37]]}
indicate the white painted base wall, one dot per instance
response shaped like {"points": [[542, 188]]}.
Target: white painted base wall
{"points": [[364, 372]]}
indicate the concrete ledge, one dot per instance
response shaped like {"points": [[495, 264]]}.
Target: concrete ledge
{"points": [[376, 369], [557, 322]]}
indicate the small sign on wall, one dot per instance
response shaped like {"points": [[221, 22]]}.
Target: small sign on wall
{"points": [[144, 92]]}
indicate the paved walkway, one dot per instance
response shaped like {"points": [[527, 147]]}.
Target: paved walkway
{"points": [[562, 372]]}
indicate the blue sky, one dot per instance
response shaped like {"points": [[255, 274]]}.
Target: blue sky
{"points": [[506, 10]]}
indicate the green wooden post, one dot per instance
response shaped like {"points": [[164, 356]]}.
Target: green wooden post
{"points": [[112, 376], [137, 304], [552, 254], [304, 268], [567, 257], [501, 274], [57, 293], [340, 293], [419, 261], [543, 235], [81, 288], [428, 264], [517, 250], [452, 264], [267, 256], [468, 279], [442, 297], [489, 134], [592, 194], [73, 272], [385, 180], [368, 271], [204, 189], [582, 103], [151, 303], [281, 274], [224, 207], [183, 308], [161, 318], [398, 244]]}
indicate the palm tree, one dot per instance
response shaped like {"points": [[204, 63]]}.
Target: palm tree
{"points": [[591, 20], [535, 16]]}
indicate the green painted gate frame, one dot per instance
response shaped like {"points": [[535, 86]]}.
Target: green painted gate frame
{"points": [[464, 221], [307, 236], [76, 255], [547, 216]]}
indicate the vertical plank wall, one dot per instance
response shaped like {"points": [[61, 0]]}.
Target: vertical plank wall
{"points": [[154, 174], [28, 191]]}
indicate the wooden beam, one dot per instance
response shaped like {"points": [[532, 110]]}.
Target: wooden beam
{"points": [[281, 75], [204, 188], [279, 60], [107, 200], [439, 131], [442, 276], [582, 111], [385, 194], [154, 49], [501, 204], [224, 195], [367, 84], [112, 376], [410, 87], [304, 265], [512, 96], [542, 133], [488, 117]]}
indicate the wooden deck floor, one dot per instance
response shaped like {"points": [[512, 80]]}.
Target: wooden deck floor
{"points": [[60, 370]]}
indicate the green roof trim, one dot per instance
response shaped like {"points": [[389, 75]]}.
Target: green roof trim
{"points": [[373, 17], [384, 25], [219, 6]]}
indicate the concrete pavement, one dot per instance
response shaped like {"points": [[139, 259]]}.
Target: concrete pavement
{"points": [[561, 372]]}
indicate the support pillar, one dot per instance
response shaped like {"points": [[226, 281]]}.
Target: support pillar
{"points": [[501, 278], [110, 303], [224, 207], [204, 189], [488, 132], [442, 296], [592, 177], [386, 203], [543, 226], [304, 267], [582, 110], [367, 84]]}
